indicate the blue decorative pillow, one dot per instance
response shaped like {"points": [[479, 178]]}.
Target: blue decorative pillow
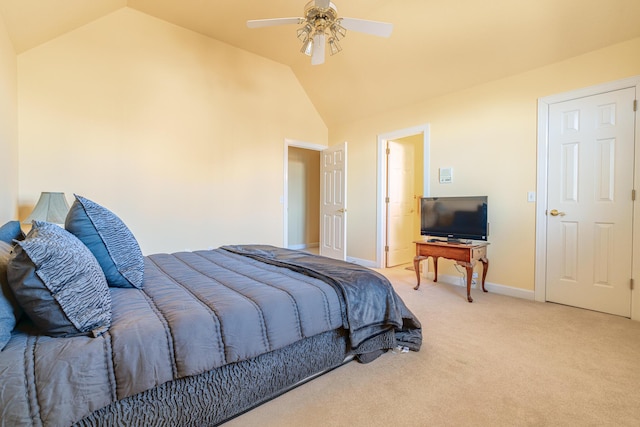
{"points": [[10, 231], [110, 241], [59, 284], [9, 309]]}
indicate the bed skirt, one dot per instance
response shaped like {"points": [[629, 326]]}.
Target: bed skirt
{"points": [[216, 396]]}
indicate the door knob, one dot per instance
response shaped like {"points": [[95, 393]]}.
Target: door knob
{"points": [[555, 212], [342, 210]]}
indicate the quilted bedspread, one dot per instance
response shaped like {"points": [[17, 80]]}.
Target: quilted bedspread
{"points": [[370, 304], [197, 311]]}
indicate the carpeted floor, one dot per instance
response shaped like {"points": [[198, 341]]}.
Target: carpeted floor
{"points": [[499, 361]]}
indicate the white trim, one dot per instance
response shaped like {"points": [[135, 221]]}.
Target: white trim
{"points": [[285, 197], [382, 173], [541, 180], [591, 90], [362, 262], [302, 246], [540, 270], [492, 288]]}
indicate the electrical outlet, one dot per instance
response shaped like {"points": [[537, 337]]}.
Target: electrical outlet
{"points": [[474, 280]]}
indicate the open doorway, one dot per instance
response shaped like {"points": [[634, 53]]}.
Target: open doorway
{"points": [[404, 188], [395, 234], [301, 198]]}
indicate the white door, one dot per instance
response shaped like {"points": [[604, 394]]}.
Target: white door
{"points": [[589, 206], [333, 202], [401, 203]]}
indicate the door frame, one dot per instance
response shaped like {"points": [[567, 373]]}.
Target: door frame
{"points": [[540, 282], [285, 198], [382, 176]]}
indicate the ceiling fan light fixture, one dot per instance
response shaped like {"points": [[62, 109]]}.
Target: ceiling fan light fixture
{"points": [[334, 46], [307, 46], [304, 32], [338, 31]]}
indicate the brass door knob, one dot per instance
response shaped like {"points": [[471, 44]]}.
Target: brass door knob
{"points": [[555, 212]]}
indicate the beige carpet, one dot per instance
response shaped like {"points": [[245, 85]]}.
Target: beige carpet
{"points": [[499, 361]]}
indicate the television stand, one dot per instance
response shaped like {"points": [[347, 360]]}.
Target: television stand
{"points": [[464, 254]]}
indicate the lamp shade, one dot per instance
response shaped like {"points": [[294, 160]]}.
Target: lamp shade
{"points": [[51, 207]]}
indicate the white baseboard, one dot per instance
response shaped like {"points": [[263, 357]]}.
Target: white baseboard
{"points": [[491, 287], [456, 281], [510, 291], [362, 262], [304, 246]]}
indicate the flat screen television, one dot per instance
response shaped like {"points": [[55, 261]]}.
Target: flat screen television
{"points": [[454, 218]]}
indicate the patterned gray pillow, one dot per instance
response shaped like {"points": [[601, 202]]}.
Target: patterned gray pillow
{"points": [[59, 284], [110, 241]]}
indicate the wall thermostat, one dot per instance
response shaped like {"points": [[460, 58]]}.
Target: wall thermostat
{"points": [[446, 175]]}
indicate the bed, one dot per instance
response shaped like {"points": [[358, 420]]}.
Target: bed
{"points": [[189, 338]]}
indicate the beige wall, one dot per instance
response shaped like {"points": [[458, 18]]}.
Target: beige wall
{"points": [[8, 128], [180, 135], [488, 135], [303, 215]]}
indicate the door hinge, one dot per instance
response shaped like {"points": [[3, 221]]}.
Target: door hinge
{"points": [[631, 283], [633, 195], [635, 105], [386, 248], [386, 199], [388, 151]]}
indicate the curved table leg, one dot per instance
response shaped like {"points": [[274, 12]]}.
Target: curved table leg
{"points": [[485, 267], [416, 267], [469, 269], [435, 268]]}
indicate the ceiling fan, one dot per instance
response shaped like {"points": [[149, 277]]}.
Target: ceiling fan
{"points": [[321, 24]]}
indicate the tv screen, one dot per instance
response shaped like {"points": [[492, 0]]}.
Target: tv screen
{"points": [[454, 218]]}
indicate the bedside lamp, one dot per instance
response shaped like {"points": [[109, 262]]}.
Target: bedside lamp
{"points": [[51, 207]]}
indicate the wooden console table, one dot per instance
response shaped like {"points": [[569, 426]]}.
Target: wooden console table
{"points": [[465, 255]]}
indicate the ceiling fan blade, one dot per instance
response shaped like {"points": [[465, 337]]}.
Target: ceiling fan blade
{"points": [[259, 23], [322, 4], [375, 28], [317, 57]]}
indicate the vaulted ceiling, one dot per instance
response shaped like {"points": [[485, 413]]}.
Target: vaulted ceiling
{"points": [[437, 46]]}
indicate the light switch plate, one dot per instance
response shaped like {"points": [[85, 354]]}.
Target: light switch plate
{"points": [[531, 196]]}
